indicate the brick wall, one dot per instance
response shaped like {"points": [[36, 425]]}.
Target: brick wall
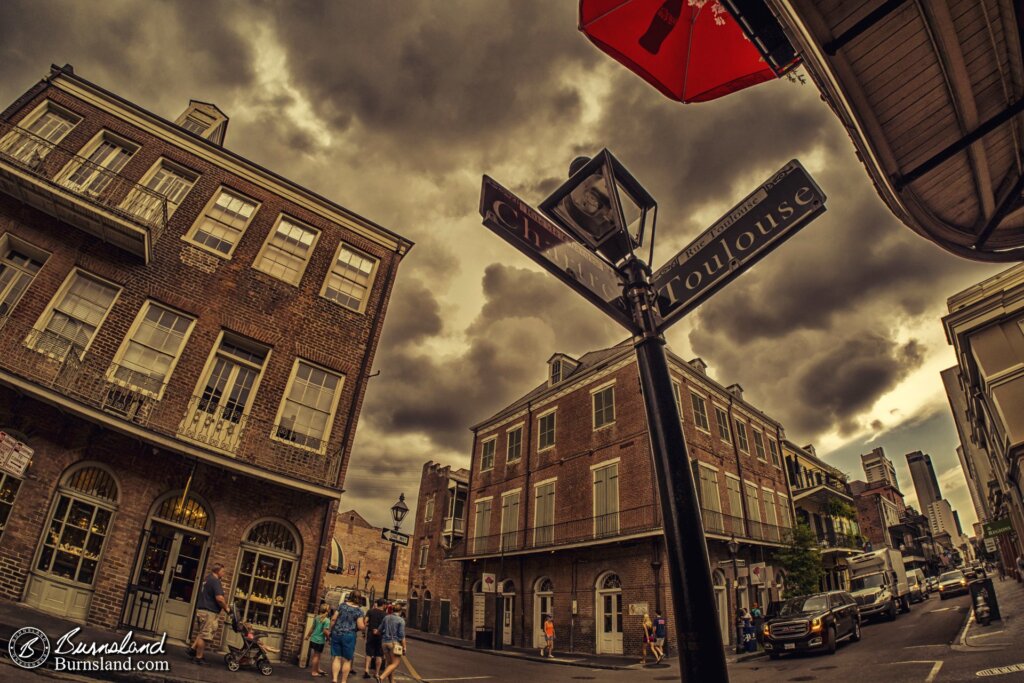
{"points": [[365, 551]]}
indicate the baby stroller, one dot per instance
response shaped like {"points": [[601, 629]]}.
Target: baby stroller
{"points": [[253, 651]]}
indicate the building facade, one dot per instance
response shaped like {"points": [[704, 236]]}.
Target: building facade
{"points": [[824, 502], [985, 328], [879, 507], [878, 468], [922, 473], [434, 585], [184, 344], [564, 518], [359, 558]]}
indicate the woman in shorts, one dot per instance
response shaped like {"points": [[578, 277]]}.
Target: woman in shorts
{"points": [[347, 621]]}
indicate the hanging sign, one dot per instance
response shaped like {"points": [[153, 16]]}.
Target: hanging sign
{"points": [[15, 456]]}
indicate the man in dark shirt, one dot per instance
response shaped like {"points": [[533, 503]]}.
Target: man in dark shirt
{"points": [[209, 605], [374, 647]]}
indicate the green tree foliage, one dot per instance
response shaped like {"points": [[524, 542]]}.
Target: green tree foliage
{"points": [[801, 560]]}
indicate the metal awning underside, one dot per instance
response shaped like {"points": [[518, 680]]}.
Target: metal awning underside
{"points": [[931, 93]]}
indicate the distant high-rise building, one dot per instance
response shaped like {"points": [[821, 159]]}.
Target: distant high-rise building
{"points": [[923, 474], [941, 519], [878, 468], [956, 518]]}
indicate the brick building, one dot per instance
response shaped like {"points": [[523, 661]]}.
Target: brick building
{"points": [[184, 344], [563, 517], [359, 558], [435, 585]]}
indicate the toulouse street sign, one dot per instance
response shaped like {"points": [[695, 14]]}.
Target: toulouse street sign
{"points": [[396, 537], [554, 249], [770, 215]]}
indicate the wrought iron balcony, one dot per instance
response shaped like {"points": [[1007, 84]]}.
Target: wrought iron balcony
{"points": [[81, 193], [47, 361], [831, 540]]}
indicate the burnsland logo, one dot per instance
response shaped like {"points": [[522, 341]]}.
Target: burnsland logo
{"points": [[29, 648]]}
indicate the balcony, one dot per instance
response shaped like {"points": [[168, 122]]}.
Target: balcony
{"points": [[57, 370], [630, 523], [454, 526], [832, 541], [79, 192], [823, 492]]}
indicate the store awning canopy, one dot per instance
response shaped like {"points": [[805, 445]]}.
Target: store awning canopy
{"points": [[931, 94], [336, 563]]}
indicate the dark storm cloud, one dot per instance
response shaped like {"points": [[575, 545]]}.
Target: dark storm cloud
{"points": [[413, 315]]}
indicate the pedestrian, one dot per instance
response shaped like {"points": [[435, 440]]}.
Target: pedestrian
{"points": [[317, 636], [758, 618], [347, 622], [660, 634], [374, 645], [393, 639], [209, 606], [549, 636], [1002, 571], [648, 639]]}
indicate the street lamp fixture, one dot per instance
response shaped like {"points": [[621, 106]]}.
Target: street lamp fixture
{"points": [[399, 510], [603, 205]]}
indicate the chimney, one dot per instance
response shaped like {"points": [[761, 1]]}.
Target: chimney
{"points": [[699, 365], [736, 390]]}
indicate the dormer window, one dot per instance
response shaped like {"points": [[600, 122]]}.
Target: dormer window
{"points": [[205, 120], [560, 367], [556, 372]]}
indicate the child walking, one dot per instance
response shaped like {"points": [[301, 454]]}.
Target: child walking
{"points": [[317, 636]]}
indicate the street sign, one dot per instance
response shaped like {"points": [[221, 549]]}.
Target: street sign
{"points": [[997, 527], [554, 249], [990, 545], [770, 215], [396, 537]]}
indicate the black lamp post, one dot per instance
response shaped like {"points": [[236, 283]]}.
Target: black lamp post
{"points": [[398, 512], [734, 548]]}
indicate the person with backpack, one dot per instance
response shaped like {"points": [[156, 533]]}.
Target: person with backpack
{"points": [[660, 633]]}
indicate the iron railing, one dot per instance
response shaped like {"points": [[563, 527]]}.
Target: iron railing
{"points": [[62, 170], [53, 361], [834, 540]]}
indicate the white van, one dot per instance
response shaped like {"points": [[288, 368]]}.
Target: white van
{"points": [[918, 586]]}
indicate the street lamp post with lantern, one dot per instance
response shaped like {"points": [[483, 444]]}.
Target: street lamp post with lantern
{"points": [[734, 548], [398, 512]]}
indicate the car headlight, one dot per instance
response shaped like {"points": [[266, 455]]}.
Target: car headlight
{"points": [[765, 630], [963, 582], [942, 588], [816, 624]]}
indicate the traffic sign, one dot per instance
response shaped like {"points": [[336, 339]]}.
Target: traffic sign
{"points": [[770, 215], [554, 249], [396, 537]]}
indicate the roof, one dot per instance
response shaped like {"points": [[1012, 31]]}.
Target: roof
{"points": [[930, 94], [807, 455], [358, 520]]}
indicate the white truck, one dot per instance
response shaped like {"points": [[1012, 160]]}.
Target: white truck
{"points": [[878, 582]]}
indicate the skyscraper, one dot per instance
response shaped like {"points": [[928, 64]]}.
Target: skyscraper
{"points": [[923, 474], [878, 468]]}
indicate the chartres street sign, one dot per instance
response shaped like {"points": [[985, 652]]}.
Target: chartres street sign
{"points": [[396, 537], [554, 249], [770, 215]]}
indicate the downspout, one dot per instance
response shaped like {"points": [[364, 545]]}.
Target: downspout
{"points": [[528, 438], [739, 468], [465, 538]]}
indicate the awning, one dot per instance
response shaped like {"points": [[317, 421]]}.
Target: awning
{"points": [[336, 563]]}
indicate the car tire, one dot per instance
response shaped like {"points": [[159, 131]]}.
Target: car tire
{"points": [[773, 655], [942, 597], [891, 614], [830, 643], [906, 604], [856, 635]]}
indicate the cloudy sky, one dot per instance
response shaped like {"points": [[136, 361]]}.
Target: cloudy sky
{"points": [[395, 109]]}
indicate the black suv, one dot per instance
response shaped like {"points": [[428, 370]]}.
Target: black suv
{"points": [[812, 622]]}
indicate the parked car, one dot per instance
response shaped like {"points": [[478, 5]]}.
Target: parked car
{"points": [[933, 583], [952, 583], [812, 622], [918, 589]]}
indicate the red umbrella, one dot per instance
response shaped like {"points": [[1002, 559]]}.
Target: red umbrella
{"points": [[690, 50]]}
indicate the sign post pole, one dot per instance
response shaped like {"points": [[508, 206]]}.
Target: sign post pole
{"points": [[701, 653], [391, 570]]}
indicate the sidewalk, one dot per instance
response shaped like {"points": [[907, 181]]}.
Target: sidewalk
{"points": [[998, 634], [14, 616]]}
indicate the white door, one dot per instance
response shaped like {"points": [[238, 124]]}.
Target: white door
{"points": [[479, 610], [506, 620], [543, 603], [722, 605], [92, 175], [609, 641]]}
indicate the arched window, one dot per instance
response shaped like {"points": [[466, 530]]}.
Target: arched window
{"points": [[74, 540], [718, 577], [266, 574], [610, 581], [544, 585], [478, 587], [507, 587], [426, 596], [190, 513]]}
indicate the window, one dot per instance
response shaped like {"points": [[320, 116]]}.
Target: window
{"points": [[723, 425], [287, 250], [428, 510], [72, 318], [79, 522], [700, 412], [350, 278], [784, 518], [9, 485], [487, 454], [759, 445], [49, 127], [546, 431], [222, 224], [93, 174], [164, 182], [147, 357], [741, 437], [19, 263], [752, 505], [732, 487], [510, 520], [774, 448], [308, 407], [770, 517], [710, 499], [216, 416], [482, 525], [197, 122], [424, 551], [556, 372], [544, 513], [267, 569], [675, 397], [604, 407], [606, 500], [515, 444]]}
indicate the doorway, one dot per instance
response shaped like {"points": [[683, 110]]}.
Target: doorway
{"points": [[543, 603], [425, 626], [508, 595], [479, 606], [609, 614]]}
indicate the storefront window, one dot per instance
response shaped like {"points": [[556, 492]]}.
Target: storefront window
{"points": [[266, 574], [9, 486], [78, 526]]}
